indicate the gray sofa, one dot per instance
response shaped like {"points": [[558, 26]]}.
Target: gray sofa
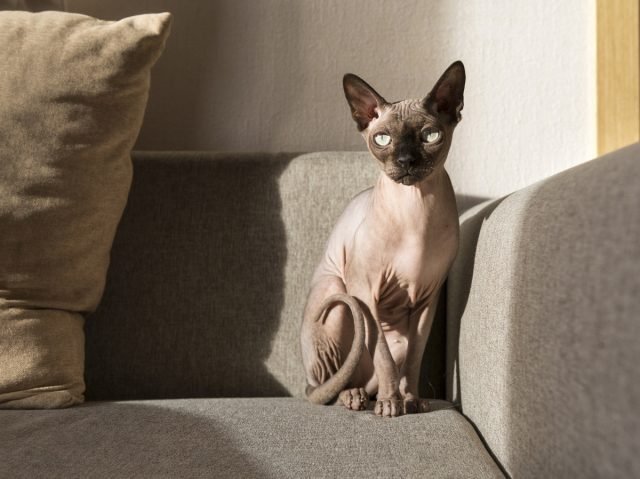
{"points": [[192, 360]]}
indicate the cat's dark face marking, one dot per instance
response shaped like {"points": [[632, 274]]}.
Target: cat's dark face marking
{"points": [[410, 138], [408, 157]]}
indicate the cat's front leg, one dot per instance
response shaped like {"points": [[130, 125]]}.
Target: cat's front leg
{"points": [[420, 322], [389, 400]]}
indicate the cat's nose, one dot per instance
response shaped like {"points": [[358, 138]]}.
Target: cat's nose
{"points": [[406, 160]]}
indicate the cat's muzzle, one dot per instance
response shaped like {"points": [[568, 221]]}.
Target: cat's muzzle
{"points": [[411, 175]]}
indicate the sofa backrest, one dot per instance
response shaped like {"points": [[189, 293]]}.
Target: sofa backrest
{"points": [[210, 271], [544, 322]]}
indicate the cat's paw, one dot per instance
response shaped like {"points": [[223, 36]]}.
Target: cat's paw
{"points": [[414, 405], [390, 407], [355, 399]]}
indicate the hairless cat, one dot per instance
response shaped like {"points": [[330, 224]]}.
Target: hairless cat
{"points": [[373, 295]]}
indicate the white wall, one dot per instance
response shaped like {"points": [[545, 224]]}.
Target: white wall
{"points": [[266, 75]]}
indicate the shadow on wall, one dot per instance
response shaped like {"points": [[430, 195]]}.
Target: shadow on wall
{"points": [[195, 287], [466, 202], [32, 5], [189, 67], [224, 81]]}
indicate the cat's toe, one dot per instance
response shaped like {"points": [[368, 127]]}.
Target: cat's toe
{"points": [[355, 399], [390, 407]]}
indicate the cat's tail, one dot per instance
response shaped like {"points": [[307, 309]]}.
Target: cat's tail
{"points": [[329, 390]]}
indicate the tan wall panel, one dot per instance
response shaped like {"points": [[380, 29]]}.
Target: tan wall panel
{"points": [[618, 74]]}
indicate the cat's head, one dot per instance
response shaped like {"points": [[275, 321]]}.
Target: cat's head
{"points": [[410, 138]]}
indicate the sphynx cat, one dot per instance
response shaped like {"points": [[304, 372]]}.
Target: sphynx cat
{"points": [[373, 295]]}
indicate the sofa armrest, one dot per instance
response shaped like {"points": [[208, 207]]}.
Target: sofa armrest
{"points": [[544, 322]]}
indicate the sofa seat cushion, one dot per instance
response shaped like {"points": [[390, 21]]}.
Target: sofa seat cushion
{"points": [[273, 437]]}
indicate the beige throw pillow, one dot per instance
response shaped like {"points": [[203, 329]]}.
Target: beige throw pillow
{"points": [[73, 91]]}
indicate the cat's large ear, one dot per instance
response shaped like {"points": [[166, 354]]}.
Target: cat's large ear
{"points": [[364, 101], [446, 97]]}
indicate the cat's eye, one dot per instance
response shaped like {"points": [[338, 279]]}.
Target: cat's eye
{"points": [[431, 135], [382, 139]]}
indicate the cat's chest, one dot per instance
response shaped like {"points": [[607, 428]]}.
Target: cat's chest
{"points": [[398, 269]]}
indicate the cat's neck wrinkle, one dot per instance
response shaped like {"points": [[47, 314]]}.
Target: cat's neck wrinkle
{"points": [[408, 205]]}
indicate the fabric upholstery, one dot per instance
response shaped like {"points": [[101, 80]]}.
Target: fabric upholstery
{"points": [[248, 438], [545, 302], [210, 271], [72, 96]]}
